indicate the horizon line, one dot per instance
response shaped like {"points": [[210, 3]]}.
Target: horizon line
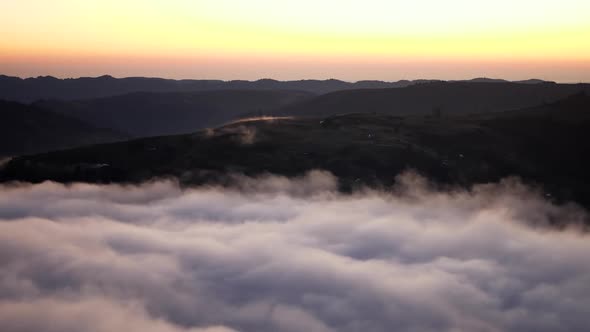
{"points": [[295, 80]]}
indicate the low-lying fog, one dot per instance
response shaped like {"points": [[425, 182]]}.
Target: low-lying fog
{"points": [[275, 254]]}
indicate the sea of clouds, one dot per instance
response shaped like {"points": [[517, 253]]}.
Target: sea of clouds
{"points": [[277, 254]]}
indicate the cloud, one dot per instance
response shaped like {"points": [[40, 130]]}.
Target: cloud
{"points": [[86, 314], [277, 254]]}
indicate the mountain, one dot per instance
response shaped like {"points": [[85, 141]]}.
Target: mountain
{"points": [[546, 145], [142, 114], [438, 97], [47, 87], [532, 81], [485, 80], [499, 80], [150, 114], [28, 129]]}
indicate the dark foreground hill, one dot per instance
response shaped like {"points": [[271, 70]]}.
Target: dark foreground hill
{"points": [[439, 97], [47, 87], [28, 129], [546, 145], [150, 114]]}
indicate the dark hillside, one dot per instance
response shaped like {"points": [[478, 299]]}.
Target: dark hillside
{"points": [[150, 114], [441, 97], [28, 129]]}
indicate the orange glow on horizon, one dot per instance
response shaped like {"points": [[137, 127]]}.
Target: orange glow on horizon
{"points": [[290, 40]]}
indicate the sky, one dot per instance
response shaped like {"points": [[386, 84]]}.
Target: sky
{"points": [[345, 39]]}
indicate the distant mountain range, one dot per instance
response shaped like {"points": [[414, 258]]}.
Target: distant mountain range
{"points": [[28, 129], [47, 87]]}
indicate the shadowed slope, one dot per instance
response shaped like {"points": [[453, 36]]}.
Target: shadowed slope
{"points": [[444, 97], [29, 129], [151, 114]]}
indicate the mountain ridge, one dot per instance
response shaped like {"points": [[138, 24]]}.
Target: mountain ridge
{"points": [[49, 87]]}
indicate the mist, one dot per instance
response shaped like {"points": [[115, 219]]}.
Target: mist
{"points": [[279, 254]]}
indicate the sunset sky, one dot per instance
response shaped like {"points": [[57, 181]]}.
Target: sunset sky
{"points": [[345, 39]]}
